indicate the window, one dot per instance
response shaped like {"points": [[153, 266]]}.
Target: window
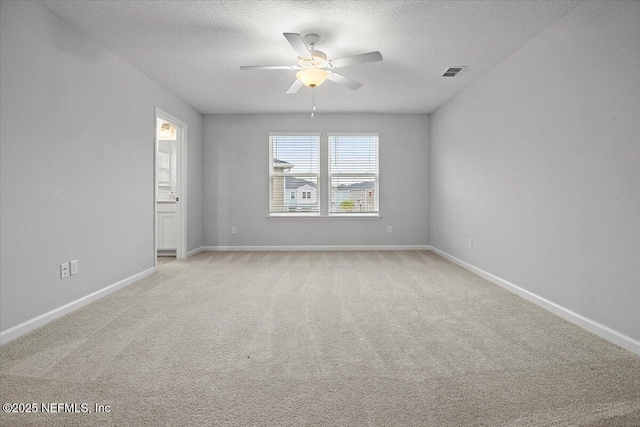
{"points": [[164, 176], [350, 174], [353, 174], [294, 163]]}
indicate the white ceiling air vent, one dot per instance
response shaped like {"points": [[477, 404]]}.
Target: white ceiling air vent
{"points": [[453, 71]]}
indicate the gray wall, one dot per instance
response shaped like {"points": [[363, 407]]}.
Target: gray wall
{"points": [[236, 191], [77, 131], [539, 162]]}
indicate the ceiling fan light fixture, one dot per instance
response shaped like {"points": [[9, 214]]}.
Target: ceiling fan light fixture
{"points": [[312, 77]]}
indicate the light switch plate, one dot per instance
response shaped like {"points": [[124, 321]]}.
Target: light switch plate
{"points": [[74, 267]]}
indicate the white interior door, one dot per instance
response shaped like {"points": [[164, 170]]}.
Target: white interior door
{"points": [[170, 185]]}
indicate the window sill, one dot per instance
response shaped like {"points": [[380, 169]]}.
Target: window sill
{"points": [[374, 217]]}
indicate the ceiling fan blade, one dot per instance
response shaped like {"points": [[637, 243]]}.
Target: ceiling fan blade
{"points": [[270, 67], [295, 87], [345, 81], [298, 44], [355, 59]]}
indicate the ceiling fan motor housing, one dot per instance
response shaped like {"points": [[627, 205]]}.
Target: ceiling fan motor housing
{"points": [[318, 60]]}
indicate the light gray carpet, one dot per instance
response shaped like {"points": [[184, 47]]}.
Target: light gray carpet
{"points": [[162, 260], [319, 338]]}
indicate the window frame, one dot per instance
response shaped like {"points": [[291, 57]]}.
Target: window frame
{"points": [[375, 175], [300, 175]]}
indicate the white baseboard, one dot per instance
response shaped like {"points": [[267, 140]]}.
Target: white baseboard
{"points": [[195, 251], [28, 326], [318, 248], [592, 326]]}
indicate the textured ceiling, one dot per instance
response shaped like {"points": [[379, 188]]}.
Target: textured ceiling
{"points": [[195, 48]]}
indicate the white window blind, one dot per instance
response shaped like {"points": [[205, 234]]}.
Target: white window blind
{"points": [[353, 174], [164, 176], [294, 163]]}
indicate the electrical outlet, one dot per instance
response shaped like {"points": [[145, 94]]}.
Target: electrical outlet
{"points": [[233, 230], [64, 270], [470, 243], [389, 229], [74, 267]]}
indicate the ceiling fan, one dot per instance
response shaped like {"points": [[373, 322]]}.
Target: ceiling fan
{"points": [[314, 66]]}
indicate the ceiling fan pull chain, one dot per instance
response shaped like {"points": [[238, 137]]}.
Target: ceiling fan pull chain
{"points": [[313, 100]]}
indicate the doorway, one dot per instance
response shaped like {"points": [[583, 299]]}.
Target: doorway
{"points": [[169, 188]]}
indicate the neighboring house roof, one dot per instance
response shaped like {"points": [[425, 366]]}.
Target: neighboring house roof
{"points": [[281, 164], [293, 183], [366, 185]]}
